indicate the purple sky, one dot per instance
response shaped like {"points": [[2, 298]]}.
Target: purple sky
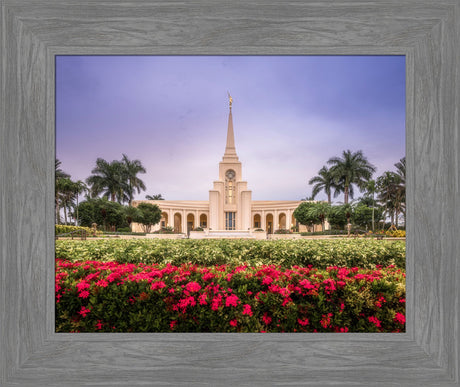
{"points": [[290, 115]]}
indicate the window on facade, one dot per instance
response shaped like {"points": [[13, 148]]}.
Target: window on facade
{"points": [[230, 220], [230, 187]]}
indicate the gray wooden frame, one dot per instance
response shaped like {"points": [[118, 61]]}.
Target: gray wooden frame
{"points": [[34, 31]]}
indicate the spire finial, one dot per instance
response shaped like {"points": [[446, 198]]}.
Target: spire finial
{"points": [[230, 152], [230, 99]]}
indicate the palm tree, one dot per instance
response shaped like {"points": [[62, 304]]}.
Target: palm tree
{"points": [[78, 188], [109, 179], [387, 187], [371, 189], [65, 187], [132, 169], [324, 181], [349, 170], [154, 197], [401, 188], [59, 175]]}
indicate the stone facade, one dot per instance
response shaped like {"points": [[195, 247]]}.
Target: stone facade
{"points": [[230, 205]]}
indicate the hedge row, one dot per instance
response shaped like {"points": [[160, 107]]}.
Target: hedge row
{"points": [[320, 253], [64, 229], [112, 297]]}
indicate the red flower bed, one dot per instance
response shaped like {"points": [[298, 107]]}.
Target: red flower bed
{"points": [[112, 297]]}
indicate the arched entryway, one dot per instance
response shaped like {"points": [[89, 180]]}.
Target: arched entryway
{"points": [[257, 221], [190, 222], [177, 222], [269, 223], [164, 219], [282, 221], [203, 221]]}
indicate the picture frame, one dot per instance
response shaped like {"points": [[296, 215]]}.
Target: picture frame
{"points": [[34, 31]]}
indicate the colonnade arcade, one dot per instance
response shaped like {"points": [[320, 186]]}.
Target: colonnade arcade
{"points": [[183, 220], [271, 221]]}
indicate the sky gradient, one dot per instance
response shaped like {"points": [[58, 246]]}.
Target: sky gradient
{"points": [[290, 115]]}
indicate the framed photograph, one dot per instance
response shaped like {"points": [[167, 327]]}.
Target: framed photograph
{"points": [[35, 32], [237, 241]]}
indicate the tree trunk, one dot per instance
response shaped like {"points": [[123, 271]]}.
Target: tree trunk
{"points": [[65, 213], [329, 198], [372, 212], [345, 195]]}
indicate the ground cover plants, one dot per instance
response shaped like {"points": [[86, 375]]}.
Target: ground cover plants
{"points": [[319, 253], [96, 296]]}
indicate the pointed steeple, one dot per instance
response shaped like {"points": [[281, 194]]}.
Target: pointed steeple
{"points": [[230, 151]]}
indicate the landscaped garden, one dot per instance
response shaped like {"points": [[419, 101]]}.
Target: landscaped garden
{"points": [[352, 285]]}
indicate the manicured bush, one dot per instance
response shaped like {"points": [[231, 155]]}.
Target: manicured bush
{"points": [[60, 229], [113, 297], [396, 233], [283, 231], [365, 253]]}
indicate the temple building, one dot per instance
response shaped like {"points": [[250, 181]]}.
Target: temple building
{"points": [[230, 207]]}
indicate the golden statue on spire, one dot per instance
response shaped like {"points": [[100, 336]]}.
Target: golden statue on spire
{"points": [[230, 99]]}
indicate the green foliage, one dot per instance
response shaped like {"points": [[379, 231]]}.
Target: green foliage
{"points": [[148, 216], [366, 253], [309, 213], [60, 229], [362, 215], [109, 215], [108, 297], [283, 231], [338, 216]]}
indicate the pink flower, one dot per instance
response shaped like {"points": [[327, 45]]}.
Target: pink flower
{"points": [[375, 321], [231, 300], [172, 324], [400, 318], [83, 311], [233, 322], [203, 298], [98, 325], [158, 285], [267, 280], [193, 287], [102, 283], [216, 302], [207, 276], [84, 294], [303, 322], [266, 319], [247, 309], [326, 320], [82, 285]]}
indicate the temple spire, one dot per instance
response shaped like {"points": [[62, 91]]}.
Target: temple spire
{"points": [[230, 151]]}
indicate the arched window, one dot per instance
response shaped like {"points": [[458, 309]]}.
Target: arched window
{"points": [[230, 187]]}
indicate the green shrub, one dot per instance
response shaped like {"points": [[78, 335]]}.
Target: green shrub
{"points": [[124, 229], [109, 297], [365, 252], [60, 229], [282, 231]]}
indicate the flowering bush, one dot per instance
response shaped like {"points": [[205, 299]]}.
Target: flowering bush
{"points": [[64, 229], [97, 296], [396, 233], [366, 253]]}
